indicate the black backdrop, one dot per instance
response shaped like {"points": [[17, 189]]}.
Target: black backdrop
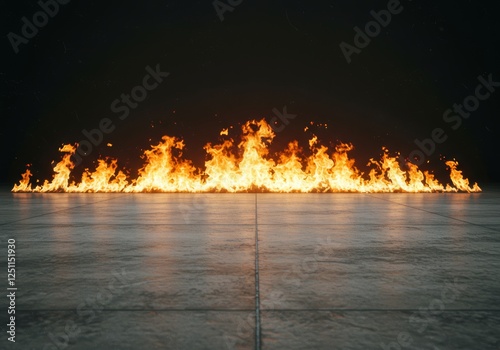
{"points": [[263, 55]]}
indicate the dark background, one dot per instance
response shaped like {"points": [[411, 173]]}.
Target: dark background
{"points": [[264, 55]]}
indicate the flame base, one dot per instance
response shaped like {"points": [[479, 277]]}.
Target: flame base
{"points": [[250, 170]]}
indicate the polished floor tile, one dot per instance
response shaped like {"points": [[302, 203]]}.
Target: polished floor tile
{"points": [[183, 271]]}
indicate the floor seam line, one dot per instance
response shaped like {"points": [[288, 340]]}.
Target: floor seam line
{"points": [[134, 310], [437, 214], [257, 281], [376, 310], [264, 310]]}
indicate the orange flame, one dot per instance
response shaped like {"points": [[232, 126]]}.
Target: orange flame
{"points": [[251, 169]]}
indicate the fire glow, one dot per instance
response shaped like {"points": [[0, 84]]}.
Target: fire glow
{"points": [[250, 169]]}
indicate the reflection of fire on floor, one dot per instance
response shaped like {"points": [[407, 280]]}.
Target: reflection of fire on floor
{"points": [[247, 167], [352, 270]]}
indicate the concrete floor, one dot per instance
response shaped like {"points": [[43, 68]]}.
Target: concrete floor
{"points": [[178, 271]]}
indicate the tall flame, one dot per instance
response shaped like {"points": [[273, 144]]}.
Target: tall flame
{"points": [[250, 169]]}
